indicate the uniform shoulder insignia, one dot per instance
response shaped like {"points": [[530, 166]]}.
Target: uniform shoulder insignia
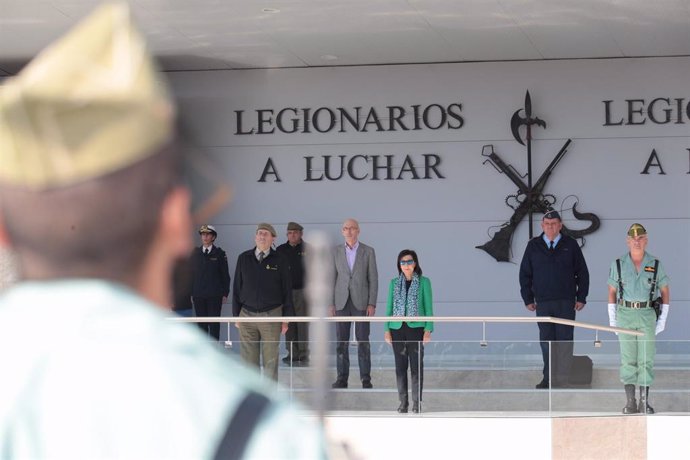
{"points": [[649, 269]]}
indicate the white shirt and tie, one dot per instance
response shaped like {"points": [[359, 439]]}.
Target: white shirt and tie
{"points": [[551, 244], [261, 255]]}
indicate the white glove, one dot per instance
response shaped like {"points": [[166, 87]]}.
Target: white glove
{"points": [[612, 314], [661, 322]]}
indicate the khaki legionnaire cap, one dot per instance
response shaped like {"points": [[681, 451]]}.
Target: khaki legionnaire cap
{"points": [[90, 104], [636, 230], [208, 229], [294, 226], [552, 214], [267, 227]]}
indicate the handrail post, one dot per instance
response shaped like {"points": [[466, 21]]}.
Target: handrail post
{"points": [[550, 387], [228, 342]]}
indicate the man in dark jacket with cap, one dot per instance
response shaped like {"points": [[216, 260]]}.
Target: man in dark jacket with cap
{"points": [[211, 279], [297, 336], [554, 281], [262, 288]]}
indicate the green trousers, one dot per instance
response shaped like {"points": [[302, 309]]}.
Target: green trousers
{"points": [[261, 339], [637, 353]]}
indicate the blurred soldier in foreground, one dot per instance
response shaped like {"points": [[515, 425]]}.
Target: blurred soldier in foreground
{"points": [[91, 202]]}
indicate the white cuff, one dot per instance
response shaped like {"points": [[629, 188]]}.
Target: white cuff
{"points": [[664, 312], [612, 314]]}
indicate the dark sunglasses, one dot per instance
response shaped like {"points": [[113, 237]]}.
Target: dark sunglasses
{"points": [[407, 262]]}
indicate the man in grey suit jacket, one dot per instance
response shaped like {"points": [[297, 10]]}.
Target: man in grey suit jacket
{"points": [[354, 294]]}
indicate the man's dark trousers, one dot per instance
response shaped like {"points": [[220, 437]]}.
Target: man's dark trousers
{"points": [[209, 306], [561, 338], [343, 341]]}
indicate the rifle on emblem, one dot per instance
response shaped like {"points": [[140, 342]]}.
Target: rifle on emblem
{"points": [[529, 200]]}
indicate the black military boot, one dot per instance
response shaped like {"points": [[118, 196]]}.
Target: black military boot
{"points": [[631, 405], [644, 407], [404, 404]]}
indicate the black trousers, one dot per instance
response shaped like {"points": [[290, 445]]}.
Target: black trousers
{"points": [[297, 335], [208, 306], [560, 336], [342, 351], [409, 352]]}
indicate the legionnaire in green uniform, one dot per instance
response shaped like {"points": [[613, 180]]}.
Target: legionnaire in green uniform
{"points": [[92, 205], [634, 281]]}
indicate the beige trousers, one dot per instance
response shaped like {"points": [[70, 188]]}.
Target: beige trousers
{"points": [[261, 339]]}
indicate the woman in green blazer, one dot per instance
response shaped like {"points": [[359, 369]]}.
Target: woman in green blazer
{"points": [[409, 294]]}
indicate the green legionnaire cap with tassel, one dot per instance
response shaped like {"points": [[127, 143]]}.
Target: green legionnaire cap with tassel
{"points": [[636, 230], [90, 104]]}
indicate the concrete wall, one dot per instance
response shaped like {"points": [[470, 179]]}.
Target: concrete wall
{"points": [[445, 218]]}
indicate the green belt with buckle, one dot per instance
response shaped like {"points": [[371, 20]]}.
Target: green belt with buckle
{"points": [[635, 305]]}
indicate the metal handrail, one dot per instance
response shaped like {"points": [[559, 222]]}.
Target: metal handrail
{"points": [[381, 319]]}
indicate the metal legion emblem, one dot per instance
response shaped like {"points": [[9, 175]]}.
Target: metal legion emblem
{"points": [[530, 198]]}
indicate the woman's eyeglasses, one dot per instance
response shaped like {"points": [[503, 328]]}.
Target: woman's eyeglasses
{"points": [[406, 262]]}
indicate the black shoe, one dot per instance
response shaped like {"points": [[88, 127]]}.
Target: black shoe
{"points": [[287, 359], [543, 384], [367, 384], [402, 409], [416, 407], [339, 384]]}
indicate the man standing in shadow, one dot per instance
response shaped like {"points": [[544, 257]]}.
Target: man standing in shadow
{"points": [[297, 337]]}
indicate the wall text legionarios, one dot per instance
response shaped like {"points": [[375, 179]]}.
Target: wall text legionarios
{"points": [[290, 120], [658, 111]]}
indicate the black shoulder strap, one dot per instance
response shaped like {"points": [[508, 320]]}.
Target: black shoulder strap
{"points": [[652, 290], [620, 280], [241, 427]]}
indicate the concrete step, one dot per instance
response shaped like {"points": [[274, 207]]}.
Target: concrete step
{"points": [[483, 379], [510, 390], [569, 400]]}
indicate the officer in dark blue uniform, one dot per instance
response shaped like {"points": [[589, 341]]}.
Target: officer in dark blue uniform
{"points": [[211, 279], [554, 281]]}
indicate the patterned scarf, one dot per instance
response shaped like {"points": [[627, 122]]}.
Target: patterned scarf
{"points": [[401, 297]]}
